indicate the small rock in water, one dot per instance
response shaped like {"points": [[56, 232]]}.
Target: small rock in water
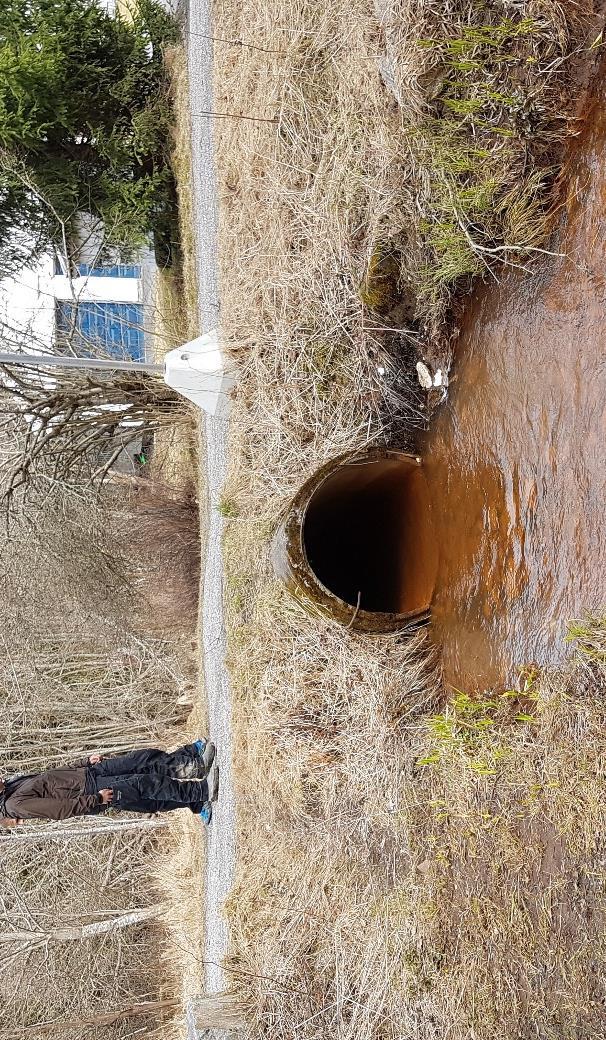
{"points": [[425, 376]]}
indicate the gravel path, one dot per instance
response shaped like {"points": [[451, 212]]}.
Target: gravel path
{"points": [[221, 834]]}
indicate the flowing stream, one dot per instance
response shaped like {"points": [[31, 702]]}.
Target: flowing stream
{"points": [[516, 457]]}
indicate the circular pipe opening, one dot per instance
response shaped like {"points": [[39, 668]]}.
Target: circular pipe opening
{"points": [[357, 543], [366, 536]]}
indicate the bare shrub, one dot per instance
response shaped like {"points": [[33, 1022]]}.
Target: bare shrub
{"points": [[106, 890], [159, 532], [86, 666], [70, 426]]}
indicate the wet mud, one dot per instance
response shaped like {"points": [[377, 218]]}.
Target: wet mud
{"points": [[516, 456]]}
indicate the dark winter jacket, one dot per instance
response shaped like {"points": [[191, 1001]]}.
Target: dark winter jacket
{"points": [[56, 794]]}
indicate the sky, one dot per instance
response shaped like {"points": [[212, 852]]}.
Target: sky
{"points": [[26, 302]]}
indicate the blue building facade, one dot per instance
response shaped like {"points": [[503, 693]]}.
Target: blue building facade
{"points": [[113, 328]]}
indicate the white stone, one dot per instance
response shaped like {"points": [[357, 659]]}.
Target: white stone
{"points": [[425, 376]]}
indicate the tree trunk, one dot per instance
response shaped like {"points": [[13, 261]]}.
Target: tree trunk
{"points": [[75, 933], [40, 834], [106, 1018]]}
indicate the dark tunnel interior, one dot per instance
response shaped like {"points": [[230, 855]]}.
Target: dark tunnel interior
{"points": [[368, 537]]}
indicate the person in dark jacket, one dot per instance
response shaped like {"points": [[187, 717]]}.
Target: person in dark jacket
{"points": [[146, 781]]}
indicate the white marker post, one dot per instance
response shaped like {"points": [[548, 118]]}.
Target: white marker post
{"points": [[198, 370]]}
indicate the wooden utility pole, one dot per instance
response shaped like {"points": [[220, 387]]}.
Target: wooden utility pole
{"points": [[224, 1011]]}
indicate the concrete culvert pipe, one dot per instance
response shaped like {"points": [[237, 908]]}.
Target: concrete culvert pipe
{"points": [[357, 543]]}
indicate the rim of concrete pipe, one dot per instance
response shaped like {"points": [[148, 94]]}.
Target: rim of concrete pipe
{"points": [[292, 566]]}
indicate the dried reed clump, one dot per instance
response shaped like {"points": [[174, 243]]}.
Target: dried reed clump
{"points": [[159, 532], [83, 666], [446, 878], [63, 699]]}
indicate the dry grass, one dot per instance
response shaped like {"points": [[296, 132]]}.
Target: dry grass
{"points": [[179, 867], [176, 457], [508, 837], [175, 319], [159, 536], [322, 727], [446, 181], [378, 898], [182, 305], [170, 527]]}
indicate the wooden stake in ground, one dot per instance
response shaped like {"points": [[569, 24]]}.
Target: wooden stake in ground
{"points": [[218, 1011]]}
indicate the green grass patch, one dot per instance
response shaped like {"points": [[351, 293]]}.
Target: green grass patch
{"points": [[486, 199]]}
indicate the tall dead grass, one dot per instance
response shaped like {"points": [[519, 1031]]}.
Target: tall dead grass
{"points": [[159, 534], [412, 147], [180, 291], [420, 871]]}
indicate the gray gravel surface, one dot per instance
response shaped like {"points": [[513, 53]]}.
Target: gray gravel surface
{"points": [[221, 833]]}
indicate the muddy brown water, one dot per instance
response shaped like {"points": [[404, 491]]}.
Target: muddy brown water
{"points": [[515, 459]]}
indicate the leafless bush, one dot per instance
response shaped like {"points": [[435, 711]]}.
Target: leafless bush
{"points": [[70, 426], [85, 945], [159, 532], [62, 699]]}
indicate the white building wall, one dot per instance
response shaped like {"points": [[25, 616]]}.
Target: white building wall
{"points": [[92, 289]]}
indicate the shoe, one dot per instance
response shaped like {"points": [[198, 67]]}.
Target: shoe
{"points": [[206, 755], [206, 814], [212, 781]]}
